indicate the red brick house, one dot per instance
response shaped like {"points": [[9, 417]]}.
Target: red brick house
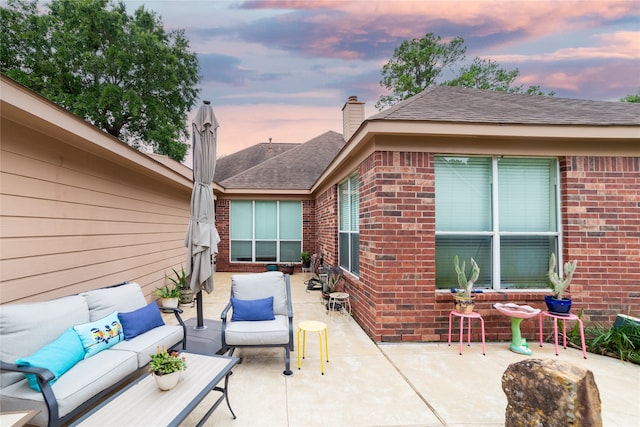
{"points": [[505, 178]]}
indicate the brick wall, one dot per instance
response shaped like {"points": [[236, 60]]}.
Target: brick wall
{"points": [[395, 299], [601, 220], [327, 219]]}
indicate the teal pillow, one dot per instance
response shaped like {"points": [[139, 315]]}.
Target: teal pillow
{"points": [[141, 320], [100, 335], [58, 357], [252, 310]]}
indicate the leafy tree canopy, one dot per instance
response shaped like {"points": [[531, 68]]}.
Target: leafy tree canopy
{"points": [[121, 72], [632, 98], [420, 63]]}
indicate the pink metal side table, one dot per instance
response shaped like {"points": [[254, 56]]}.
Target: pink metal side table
{"points": [[564, 319], [468, 316]]}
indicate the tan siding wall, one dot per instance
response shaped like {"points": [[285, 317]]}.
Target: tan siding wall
{"points": [[71, 221]]}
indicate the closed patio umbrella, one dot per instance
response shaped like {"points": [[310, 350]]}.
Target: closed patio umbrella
{"points": [[202, 237]]}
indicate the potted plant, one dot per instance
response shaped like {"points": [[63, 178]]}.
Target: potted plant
{"points": [[330, 283], [464, 299], [180, 281], [558, 303], [166, 367], [305, 257], [169, 296], [287, 268]]}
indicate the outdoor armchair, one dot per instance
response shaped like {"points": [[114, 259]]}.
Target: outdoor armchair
{"points": [[261, 314]]}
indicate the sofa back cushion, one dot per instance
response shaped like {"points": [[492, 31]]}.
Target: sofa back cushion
{"points": [[123, 298], [26, 328], [261, 285]]}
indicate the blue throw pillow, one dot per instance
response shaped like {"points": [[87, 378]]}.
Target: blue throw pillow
{"points": [[257, 309], [100, 335], [141, 320], [58, 357]]}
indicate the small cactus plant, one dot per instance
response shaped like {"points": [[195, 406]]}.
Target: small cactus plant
{"points": [[558, 285], [466, 286]]}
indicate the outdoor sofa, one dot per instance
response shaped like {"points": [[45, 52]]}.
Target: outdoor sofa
{"points": [[90, 343]]}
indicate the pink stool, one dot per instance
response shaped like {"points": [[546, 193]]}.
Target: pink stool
{"points": [[564, 329], [468, 316]]}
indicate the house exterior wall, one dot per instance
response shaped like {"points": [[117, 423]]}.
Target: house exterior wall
{"points": [[395, 298], [327, 219], [601, 220], [73, 220], [223, 263]]}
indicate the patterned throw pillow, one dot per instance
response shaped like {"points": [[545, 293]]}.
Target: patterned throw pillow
{"points": [[101, 334]]}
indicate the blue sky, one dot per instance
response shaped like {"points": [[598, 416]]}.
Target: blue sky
{"points": [[283, 69]]}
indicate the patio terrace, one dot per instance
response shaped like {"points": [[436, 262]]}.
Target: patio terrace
{"points": [[405, 384]]}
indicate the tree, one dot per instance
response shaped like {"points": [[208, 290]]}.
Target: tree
{"points": [[418, 64], [632, 98], [121, 72]]}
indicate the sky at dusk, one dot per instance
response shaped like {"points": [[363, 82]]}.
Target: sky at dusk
{"points": [[283, 69]]}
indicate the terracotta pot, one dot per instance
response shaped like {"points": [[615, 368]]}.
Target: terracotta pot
{"points": [[167, 381], [464, 305]]}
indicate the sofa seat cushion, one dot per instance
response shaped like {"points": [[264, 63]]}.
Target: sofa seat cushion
{"points": [[86, 379], [26, 328], [123, 298], [146, 344], [265, 332]]}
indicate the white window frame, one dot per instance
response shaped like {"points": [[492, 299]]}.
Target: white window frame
{"points": [[495, 234], [352, 266], [254, 240]]}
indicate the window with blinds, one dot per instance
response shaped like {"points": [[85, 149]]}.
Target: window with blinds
{"points": [[265, 230], [502, 211], [349, 224]]}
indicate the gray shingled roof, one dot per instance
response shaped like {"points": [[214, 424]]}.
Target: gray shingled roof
{"points": [[295, 169], [242, 160], [456, 104]]}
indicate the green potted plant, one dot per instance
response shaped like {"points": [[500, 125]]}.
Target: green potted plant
{"points": [[179, 280], [331, 277], [557, 303], [305, 258], [169, 296], [166, 367], [464, 299]]}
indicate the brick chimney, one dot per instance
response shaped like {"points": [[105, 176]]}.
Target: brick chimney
{"points": [[352, 116]]}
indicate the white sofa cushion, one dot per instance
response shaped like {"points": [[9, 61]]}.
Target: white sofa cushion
{"points": [[123, 298], [86, 379], [265, 332], [147, 344], [26, 328]]}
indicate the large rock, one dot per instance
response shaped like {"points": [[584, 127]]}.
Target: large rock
{"points": [[550, 393]]}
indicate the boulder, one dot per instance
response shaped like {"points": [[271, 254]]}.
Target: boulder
{"points": [[550, 393]]}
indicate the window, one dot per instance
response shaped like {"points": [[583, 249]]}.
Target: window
{"points": [[349, 224], [502, 211], [265, 230]]}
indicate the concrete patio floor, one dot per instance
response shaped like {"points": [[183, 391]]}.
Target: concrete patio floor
{"points": [[369, 384]]}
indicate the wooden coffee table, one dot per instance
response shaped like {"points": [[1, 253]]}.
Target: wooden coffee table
{"points": [[143, 403]]}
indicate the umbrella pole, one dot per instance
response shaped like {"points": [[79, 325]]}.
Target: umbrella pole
{"points": [[199, 314]]}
